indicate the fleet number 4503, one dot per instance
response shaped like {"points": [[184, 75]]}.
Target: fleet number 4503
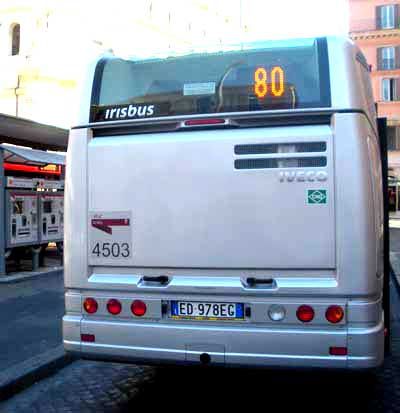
{"points": [[111, 249]]}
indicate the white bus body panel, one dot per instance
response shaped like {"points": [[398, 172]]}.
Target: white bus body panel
{"points": [[191, 208], [208, 227]]}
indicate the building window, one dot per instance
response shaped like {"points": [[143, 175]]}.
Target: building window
{"points": [[15, 31], [389, 90], [387, 17], [387, 58], [393, 141]]}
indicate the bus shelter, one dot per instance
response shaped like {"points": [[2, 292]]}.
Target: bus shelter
{"points": [[31, 190], [24, 132]]}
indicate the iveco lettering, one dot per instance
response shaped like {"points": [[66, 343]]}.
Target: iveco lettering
{"points": [[226, 208]]}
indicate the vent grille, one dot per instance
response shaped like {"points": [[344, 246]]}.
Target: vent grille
{"points": [[267, 148], [271, 163]]}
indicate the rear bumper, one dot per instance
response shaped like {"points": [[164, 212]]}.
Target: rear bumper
{"points": [[156, 342]]}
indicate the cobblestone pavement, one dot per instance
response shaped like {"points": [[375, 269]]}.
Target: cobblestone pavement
{"points": [[84, 386], [295, 391], [108, 387], [105, 387]]}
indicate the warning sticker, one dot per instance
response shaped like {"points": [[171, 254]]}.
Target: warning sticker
{"points": [[317, 196], [205, 88], [110, 237]]}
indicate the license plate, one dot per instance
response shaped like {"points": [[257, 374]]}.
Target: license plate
{"points": [[206, 310]]}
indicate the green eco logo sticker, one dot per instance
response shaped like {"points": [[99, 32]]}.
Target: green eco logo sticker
{"points": [[317, 196]]}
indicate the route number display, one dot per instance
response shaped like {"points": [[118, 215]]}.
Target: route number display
{"points": [[275, 79]]}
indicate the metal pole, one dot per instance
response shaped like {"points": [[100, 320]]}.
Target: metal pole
{"points": [[35, 258], [382, 130], [2, 217]]}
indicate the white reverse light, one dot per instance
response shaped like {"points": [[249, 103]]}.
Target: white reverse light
{"points": [[276, 312]]}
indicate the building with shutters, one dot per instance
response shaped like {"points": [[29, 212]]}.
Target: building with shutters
{"points": [[375, 27]]}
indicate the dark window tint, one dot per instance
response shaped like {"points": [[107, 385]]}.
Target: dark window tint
{"points": [[278, 75]]}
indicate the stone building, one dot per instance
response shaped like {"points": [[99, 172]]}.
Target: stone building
{"points": [[375, 27], [45, 45]]}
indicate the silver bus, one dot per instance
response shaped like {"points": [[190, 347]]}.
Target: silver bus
{"points": [[225, 208]]}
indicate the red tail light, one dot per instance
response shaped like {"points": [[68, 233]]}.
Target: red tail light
{"points": [[200, 122], [114, 306], [90, 305], [305, 313], [338, 351], [138, 308], [334, 314], [88, 338]]}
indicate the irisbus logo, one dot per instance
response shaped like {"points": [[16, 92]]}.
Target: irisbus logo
{"points": [[303, 176], [129, 112]]}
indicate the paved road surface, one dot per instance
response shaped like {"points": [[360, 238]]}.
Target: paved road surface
{"points": [[30, 318], [105, 387], [304, 391]]}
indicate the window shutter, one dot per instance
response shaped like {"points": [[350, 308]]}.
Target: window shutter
{"points": [[378, 14], [379, 58], [397, 57], [383, 89], [397, 89], [385, 86], [396, 16]]}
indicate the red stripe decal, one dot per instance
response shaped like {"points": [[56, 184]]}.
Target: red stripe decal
{"points": [[107, 224]]}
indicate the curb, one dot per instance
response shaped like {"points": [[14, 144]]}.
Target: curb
{"points": [[22, 276], [26, 373]]}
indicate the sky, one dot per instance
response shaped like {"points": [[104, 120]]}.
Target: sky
{"points": [[292, 18], [126, 27], [266, 19]]}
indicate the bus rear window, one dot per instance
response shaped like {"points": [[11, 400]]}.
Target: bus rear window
{"points": [[276, 76]]}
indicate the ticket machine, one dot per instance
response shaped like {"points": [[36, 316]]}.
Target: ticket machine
{"points": [[21, 218], [51, 208], [31, 203]]}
